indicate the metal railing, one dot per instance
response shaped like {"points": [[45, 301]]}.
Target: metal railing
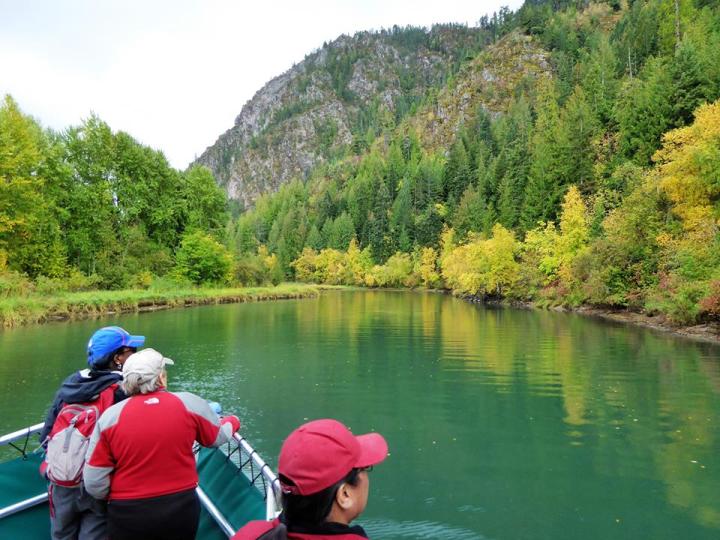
{"points": [[24, 433], [10, 439], [259, 473], [239, 451]]}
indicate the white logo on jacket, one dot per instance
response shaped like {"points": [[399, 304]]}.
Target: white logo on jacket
{"points": [[152, 401]]}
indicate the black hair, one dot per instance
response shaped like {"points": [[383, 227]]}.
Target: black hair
{"points": [[105, 363], [311, 510]]}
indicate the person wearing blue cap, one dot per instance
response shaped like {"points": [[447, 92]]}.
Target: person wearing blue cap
{"points": [[73, 513]]}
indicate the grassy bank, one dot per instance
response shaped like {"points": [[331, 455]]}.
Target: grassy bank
{"points": [[15, 311]]}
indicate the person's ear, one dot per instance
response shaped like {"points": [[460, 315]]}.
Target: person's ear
{"points": [[344, 497]]}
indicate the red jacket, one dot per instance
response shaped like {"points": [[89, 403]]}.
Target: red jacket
{"points": [[332, 531], [142, 447]]}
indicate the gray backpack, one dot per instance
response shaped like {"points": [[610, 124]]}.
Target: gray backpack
{"points": [[68, 443]]}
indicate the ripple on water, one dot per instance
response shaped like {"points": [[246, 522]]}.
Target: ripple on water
{"points": [[389, 529]]}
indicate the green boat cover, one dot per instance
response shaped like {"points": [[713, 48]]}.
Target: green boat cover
{"points": [[230, 490], [20, 480], [222, 481]]}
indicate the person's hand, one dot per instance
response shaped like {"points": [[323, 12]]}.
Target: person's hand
{"points": [[233, 420]]}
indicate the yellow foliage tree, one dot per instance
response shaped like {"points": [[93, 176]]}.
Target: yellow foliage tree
{"points": [[427, 268], [688, 171], [481, 266], [553, 252], [333, 267], [539, 251], [396, 272], [271, 264], [574, 233], [306, 266], [359, 262], [448, 241], [503, 269]]}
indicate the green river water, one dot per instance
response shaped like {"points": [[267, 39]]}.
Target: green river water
{"points": [[502, 423]]}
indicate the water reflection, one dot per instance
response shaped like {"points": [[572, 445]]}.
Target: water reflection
{"points": [[502, 423], [646, 403]]}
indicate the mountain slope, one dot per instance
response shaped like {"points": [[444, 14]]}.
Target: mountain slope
{"points": [[491, 80], [341, 95]]}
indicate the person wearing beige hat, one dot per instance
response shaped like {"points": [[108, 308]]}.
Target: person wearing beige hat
{"points": [[140, 456]]}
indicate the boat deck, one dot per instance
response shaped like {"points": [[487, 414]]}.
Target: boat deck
{"points": [[235, 487]]}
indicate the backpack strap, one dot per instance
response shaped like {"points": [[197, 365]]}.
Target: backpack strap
{"points": [[279, 532]]}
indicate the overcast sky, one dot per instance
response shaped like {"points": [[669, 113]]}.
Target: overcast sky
{"points": [[174, 74]]}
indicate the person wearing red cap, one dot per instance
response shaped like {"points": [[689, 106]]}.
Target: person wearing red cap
{"points": [[323, 470]]}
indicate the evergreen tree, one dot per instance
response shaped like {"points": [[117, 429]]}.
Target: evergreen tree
{"points": [[327, 232], [245, 241], [395, 167], [343, 231], [428, 226], [428, 183], [514, 139], [580, 126], [379, 224], [457, 174], [470, 213], [401, 221], [314, 239], [548, 172], [690, 86], [360, 199], [644, 111], [635, 38], [291, 239], [326, 207], [674, 17], [274, 237], [599, 81]]}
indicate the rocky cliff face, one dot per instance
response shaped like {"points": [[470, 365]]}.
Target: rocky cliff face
{"points": [[490, 80], [339, 96]]}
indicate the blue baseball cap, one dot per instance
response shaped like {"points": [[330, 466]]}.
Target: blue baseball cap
{"points": [[106, 341]]}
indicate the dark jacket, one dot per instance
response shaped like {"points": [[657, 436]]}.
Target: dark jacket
{"points": [[81, 387], [276, 530]]}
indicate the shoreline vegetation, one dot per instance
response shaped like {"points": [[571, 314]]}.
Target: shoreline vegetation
{"points": [[38, 309], [20, 310], [594, 183], [708, 332]]}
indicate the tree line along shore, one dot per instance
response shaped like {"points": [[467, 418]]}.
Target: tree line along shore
{"points": [[594, 186]]}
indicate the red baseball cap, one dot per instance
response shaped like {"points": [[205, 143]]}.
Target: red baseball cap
{"points": [[322, 452]]}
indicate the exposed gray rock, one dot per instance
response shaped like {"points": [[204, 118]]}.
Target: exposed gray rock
{"points": [[282, 132]]}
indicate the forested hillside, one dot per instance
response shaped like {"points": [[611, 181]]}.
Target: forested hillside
{"points": [[88, 208], [338, 99], [562, 164], [565, 154]]}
